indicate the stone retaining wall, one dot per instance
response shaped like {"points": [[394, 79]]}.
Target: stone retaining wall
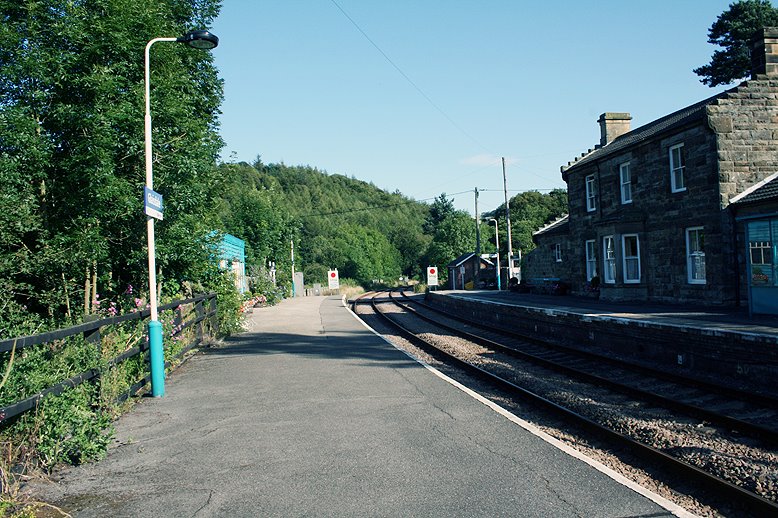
{"points": [[748, 358]]}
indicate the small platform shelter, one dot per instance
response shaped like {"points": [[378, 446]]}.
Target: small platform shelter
{"points": [[462, 270], [232, 256]]}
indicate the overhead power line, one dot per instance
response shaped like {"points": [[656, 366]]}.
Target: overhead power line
{"points": [[407, 78]]}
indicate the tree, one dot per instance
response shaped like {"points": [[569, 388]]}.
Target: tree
{"points": [[440, 209], [454, 236], [733, 30], [71, 146]]}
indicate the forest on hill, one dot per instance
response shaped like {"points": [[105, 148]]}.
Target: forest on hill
{"points": [[72, 231], [370, 235]]}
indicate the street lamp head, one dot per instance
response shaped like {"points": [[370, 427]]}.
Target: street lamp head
{"points": [[200, 40]]}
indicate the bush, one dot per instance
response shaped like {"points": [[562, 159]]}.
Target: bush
{"points": [[229, 303]]}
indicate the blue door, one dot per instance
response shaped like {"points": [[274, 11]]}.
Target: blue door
{"points": [[763, 265]]}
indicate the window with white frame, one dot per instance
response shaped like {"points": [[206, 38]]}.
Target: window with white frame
{"points": [[761, 252], [591, 260], [626, 183], [558, 252], [591, 194], [609, 260], [677, 168], [695, 255], [630, 248]]}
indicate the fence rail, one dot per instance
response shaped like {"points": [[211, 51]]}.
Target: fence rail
{"points": [[201, 314]]}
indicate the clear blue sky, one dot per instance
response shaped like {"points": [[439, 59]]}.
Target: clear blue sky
{"points": [[455, 85]]}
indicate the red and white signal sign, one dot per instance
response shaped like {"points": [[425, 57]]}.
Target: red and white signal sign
{"points": [[432, 275], [333, 280]]}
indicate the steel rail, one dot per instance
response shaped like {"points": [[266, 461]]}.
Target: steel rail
{"points": [[767, 434], [754, 502], [749, 397]]}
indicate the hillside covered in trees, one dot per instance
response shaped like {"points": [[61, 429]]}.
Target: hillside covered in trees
{"points": [[370, 235]]}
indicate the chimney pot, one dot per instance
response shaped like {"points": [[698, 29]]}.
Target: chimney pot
{"points": [[612, 125]]}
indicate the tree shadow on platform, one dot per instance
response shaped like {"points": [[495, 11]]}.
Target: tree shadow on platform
{"points": [[343, 345]]}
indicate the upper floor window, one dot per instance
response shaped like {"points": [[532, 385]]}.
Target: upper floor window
{"points": [[591, 260], [677, 168], [591, 194], [695, 255], [631, 257], [558, 252], [626, 183], [609, 260]]}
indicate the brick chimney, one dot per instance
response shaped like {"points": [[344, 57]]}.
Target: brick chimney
{"points": [[764, 52], [613, 125]]}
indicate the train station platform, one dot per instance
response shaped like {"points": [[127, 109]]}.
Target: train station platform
{"points": [[725, 344], [309, 413], [702, 317]]}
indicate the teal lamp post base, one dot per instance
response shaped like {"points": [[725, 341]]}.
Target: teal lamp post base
{"points": [[157, 359]]}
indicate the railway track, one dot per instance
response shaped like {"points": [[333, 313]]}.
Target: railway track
{"points": [[627, 386], [742, 412]]}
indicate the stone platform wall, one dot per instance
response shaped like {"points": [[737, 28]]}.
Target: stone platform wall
{"points": [[747, 358]]}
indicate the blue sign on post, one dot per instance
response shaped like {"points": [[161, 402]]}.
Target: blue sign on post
{"points": [[152, 203]]}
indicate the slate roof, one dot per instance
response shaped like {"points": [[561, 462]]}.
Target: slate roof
{"points": [[767, 189], [559, 226], [459, 261], [676, 119]]}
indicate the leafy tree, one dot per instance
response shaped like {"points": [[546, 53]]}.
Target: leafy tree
{"points": [[530, 211], [71, 147], [733, 30], [454, 236], [440, 209]]}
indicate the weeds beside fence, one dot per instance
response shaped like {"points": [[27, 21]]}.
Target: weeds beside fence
{"points": [[60, 391]]}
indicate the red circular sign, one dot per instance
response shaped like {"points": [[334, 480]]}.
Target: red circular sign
{"points": [[332, 275], [432, 271]]}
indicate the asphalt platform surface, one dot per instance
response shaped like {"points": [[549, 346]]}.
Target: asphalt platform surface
{"points": [[311, 414]]}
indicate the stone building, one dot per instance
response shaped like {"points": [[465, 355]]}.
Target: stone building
{"points": [[650, 209], [551, 258]]}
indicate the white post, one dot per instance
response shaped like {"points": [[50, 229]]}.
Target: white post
{"points": [[156, 351]]}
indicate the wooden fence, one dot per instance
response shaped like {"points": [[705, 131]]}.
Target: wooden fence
{"points": [[201, 315]]}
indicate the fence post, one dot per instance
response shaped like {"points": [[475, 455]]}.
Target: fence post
{"points": [[214, 316], [200, 317], [93, 336], [178, 319]]}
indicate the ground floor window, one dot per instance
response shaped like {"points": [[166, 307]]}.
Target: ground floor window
{"points": [[558, 252], [609, 260], [761, 247], [695, 255], [591, 260], [631, 257]]}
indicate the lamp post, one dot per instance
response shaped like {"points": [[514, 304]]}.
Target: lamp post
{"points": [[199, 40], [497, 244]]}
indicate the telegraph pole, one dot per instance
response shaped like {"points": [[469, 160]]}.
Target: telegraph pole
{"points": [[477, 275], [508, 218]]}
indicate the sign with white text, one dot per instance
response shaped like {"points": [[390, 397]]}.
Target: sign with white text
{"points": [[152, 203], [432, 276]]}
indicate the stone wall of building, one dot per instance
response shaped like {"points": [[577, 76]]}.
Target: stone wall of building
{"points": [[541, 263], [658, 216], [746, 124]]}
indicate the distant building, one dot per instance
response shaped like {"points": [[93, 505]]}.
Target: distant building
{"points": [[462, 271], [683, 209], [232, 256]]}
